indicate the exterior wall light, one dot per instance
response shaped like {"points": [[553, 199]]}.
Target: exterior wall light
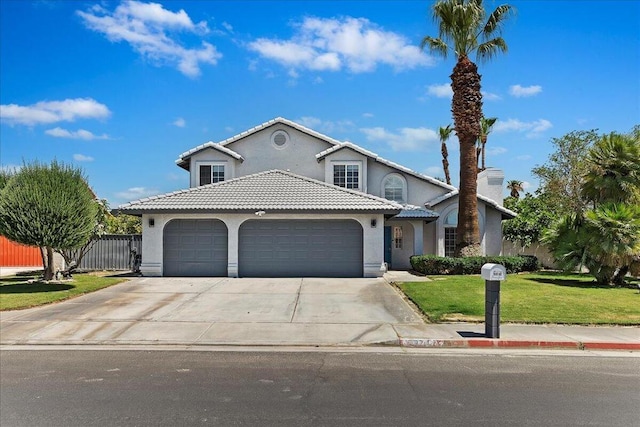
{"points": [[374, 223], [152, 222]]}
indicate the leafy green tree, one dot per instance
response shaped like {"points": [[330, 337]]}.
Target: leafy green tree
{"points": [[605, 235], [445, 134], [562, 175], [464, 28], [535, 216], [49, 206], [124, 224]]}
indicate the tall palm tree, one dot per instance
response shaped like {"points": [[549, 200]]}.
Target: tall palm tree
{"points": [[464, 28], [445, 133], [486, 124], [515, 187]]}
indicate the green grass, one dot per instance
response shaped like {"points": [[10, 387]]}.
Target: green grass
{"points": [[17, 293], [544, 297]]}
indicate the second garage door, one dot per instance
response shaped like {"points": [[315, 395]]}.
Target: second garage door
{"points": [[300, 248]]}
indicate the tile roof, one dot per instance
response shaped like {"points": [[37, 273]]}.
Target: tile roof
{"points": [[183, 159], [273, 190], [416, 212], [382, 160], [506, 213]]}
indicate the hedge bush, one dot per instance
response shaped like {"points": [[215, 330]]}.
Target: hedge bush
{"points": [[431, 264]]}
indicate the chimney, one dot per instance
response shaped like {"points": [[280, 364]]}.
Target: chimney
{"points": [[490, 182]]}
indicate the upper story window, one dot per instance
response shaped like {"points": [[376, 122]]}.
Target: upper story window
{"points": [[394, 187], [211, 173], [347, 175]]}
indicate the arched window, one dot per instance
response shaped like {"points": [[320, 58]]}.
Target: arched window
{"points": [[394, 187], [450, 227]]}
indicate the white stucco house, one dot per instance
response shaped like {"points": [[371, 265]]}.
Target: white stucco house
{"points": [[282, 200]]}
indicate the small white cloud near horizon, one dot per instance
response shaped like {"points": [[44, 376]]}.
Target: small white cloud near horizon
{"points": [[406, 139], [179, 122], [147, 27], [440, 91], [59, 132], [135, 193], [82, 158], [367, 115], [327, 126], [434, 171], [333, 44], [524, 157], [495, 151], [488, 96], [524, 91], [526, 185], [11, 168], [532, 129], [48, 112]]}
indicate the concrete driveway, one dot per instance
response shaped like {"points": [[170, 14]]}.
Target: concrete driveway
{"points": [[220, 311]]}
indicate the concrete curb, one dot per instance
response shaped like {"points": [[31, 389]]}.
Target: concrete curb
{"points": [[513, 344]]}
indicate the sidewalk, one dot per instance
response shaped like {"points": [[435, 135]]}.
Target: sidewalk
{"points": [[471, 335]]}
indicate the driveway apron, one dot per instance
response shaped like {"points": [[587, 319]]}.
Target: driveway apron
{"points": [[220, 311]]}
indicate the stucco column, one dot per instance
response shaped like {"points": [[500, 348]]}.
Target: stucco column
{"points": [[233, 227], [418, 237]]}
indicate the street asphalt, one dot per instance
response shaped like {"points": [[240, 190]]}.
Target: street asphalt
{"points": [[275, 312]]}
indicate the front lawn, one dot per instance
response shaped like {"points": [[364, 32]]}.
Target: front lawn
{"points": [[17, 292], [543, 297]]}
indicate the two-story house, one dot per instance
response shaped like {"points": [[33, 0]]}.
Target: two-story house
{"points": [[283, 200]]}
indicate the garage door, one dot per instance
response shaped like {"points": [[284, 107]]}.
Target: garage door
{"points": [[300, 248], [195, 247]]}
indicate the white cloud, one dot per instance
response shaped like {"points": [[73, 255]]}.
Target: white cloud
{"points": [[524, 91], [440, 91], [406, 139], [322, 44], [146, 27], [135, 193], [179, 122], [524, 157], [488, 96], [367, 115], [526, 185], [46, 112], [495, 151], [327, 126], [82, 158], [58, 132], [227, 27], [434, 171], [11, 168], [532, 129]]}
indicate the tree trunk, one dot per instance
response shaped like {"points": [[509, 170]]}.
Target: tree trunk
{"points": [[467, 112], [445, 162], [48, 269]]}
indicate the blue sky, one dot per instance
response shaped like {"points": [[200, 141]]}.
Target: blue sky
{"points": [[122, 88]]}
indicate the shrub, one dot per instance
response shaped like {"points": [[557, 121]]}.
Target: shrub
{"points": [[436, 265]]}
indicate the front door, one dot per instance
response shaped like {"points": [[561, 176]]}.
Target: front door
{"points": [[387, 246]]}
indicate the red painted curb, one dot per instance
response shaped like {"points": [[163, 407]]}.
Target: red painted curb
{"points": [[513, 344]]}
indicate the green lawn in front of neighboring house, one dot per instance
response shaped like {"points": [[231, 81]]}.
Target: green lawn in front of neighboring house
{"points": [[543, 297], [17, 293]]}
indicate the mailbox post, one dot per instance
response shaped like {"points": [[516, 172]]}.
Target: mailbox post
{"points": [[492, 274]]}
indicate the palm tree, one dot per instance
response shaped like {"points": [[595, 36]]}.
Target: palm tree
{"points": [[485, 129], [445, 133], [464, 28], [613, 173], [515, 187]]}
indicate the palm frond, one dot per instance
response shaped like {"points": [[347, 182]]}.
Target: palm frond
{"points": [[436, 46], [490, 48], [496, 20]]}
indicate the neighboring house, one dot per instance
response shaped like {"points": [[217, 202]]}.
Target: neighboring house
{"points": [[283, 200]]}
